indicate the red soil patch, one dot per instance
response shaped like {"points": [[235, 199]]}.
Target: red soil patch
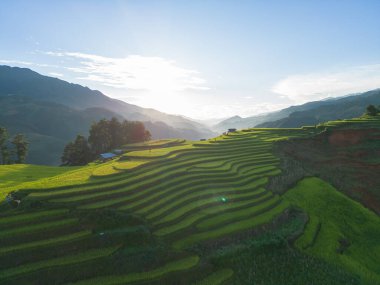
{"points": [[348, 137]]}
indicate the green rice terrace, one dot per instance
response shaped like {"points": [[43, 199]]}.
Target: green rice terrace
{"points": [[186, 212]]}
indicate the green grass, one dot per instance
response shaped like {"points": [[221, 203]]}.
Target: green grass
{"points": [[340, 218], [242, 225], [204, 202], [159, 152], [180, 195], [219, 193], [37, 227], [236, 215], [21, 218], [178, 265], [17, 176], [217, 277], [60, 261], [45, 242]]}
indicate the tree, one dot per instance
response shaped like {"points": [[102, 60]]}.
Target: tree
{"points": [[77, 152], [105, 135], [115, 131], [4, 146], [136, 132], [21, 147], [100, 137], [372, 110]]}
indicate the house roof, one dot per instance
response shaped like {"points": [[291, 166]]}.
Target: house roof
{"points": [[107, 155]]}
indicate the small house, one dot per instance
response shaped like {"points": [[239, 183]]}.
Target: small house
{"points": [[231, 130], [118, 151], [106, 156]]}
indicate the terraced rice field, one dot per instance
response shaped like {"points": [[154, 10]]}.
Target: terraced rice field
{"points": [[179, 194]]}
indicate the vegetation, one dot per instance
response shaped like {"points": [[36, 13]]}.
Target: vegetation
{"points": [[372, 110], [188, 212], [19, 150], [105, 135], [343, 222], [77, 152]]}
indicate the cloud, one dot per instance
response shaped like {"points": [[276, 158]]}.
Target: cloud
{"points": [[26, 63], [316, 86], [56, 74], [135, 72]]}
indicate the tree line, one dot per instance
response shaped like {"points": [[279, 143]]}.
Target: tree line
{"points": [[12, 150], [105, 135], [372, 110]]}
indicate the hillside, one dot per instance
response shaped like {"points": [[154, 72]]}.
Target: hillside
{"points": [[52, 112], [310, 113], [344, 108], [185, 212]]}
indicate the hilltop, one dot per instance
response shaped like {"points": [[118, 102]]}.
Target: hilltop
{"points": [[241, 208]]}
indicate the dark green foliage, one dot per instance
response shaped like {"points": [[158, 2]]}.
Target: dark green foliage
{"points": [[3, 146], [292, 172], [372, 110], [77, 152], [109, 134], [105, 135], [271, 259], [100, 137], [21, 147]]}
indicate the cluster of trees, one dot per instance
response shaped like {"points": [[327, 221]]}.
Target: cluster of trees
{"points": [[372, 110], [105, 135], [12, 150]]}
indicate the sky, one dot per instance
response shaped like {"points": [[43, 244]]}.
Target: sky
{"points": [[201, 59]]}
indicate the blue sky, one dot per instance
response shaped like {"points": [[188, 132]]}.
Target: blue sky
{"points": [[202, 59]]}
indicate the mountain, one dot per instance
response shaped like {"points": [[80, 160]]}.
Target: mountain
{"points": [[315, 112], [342, 108], [51, 112], [249, 122]]}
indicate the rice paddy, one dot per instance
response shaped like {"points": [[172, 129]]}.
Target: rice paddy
{"points": [[173, 194]]}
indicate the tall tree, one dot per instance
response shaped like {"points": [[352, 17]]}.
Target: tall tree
{"points": [[100, 137], [21, 147], [134, 132], [4, 145], [77, 152], [115, 131], [372, 110]]}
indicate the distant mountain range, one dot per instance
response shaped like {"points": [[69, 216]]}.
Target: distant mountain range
{"points": [[51, 112], [311, 113]]}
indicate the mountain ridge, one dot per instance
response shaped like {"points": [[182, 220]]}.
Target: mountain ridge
{"points": [[50, 108]]}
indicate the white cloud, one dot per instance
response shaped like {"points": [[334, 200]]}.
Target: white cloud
{"points": [[56, 74], [26, 63], [135, 72], [316, 86]]}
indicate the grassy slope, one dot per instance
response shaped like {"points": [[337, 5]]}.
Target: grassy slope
{"points": [[17, 176], [339, 218], [176, 189]]}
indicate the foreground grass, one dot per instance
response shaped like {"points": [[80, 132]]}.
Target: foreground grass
{"points": [[178, 265], [218, 277], [60, 261], [348, 233], [235, 227], [269, 259], [17, 176], [45, 242]]}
